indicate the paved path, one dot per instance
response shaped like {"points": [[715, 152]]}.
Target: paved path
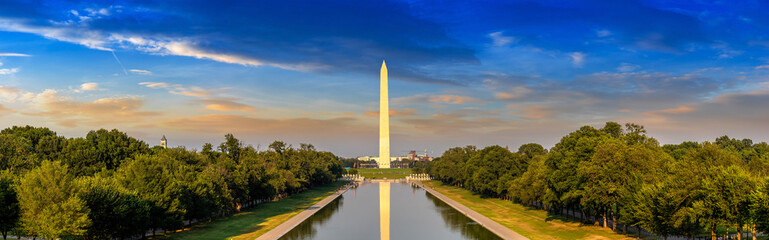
{"points": [[491, 225], [291, 223]]}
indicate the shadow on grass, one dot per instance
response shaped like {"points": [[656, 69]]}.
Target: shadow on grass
{"points": [[252, 220]]}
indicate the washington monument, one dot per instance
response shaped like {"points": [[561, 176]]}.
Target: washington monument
{"points": [[384, 120]]}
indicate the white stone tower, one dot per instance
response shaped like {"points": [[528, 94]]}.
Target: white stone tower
{"points": [[164, 142], [384, 120]]}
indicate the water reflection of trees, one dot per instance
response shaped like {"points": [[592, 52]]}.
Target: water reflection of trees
{"points": [[456, 221], [308, 228]]}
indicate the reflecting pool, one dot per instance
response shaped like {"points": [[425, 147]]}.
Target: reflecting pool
{"points": [[363, 213]]}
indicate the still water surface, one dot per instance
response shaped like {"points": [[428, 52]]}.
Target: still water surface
{"points": [[413, 214]]}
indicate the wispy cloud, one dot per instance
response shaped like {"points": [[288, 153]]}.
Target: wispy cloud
{"points": [[192, 91], [6, 54], [7, 71], [140, 72], [513, 93], [577, 58], [225, 105], [394, 112], [499, 39], [445, 99], [533, 112], [627, 67], [278, 128], [603, 33]]}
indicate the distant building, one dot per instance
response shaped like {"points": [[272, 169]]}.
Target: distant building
{"points": [[412, 156], [164, 142], [369, 158]]}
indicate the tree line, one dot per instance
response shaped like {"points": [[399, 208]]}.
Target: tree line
{"points": [[110, 185], [615, 175]]}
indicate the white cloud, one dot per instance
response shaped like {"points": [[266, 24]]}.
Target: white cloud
{"points": [[4, 54], [91, 86], [89, 38], [7, 71], [140, 72], [187, 49], [725, 51], [627, 67], [156, 85], [179, 89], [577, 58], [762, 67], [501, 40], [603, 33], [79, 33]]}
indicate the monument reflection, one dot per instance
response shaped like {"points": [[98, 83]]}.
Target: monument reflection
{"points": [[384, 210]]}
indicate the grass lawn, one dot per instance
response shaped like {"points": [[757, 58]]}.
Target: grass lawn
{"points": [[529, 222], [256, 221], [380, 173]]}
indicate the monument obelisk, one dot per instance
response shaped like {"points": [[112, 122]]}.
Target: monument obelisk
{"points": [[384, 120]]}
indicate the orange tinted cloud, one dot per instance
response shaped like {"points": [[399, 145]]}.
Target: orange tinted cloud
{"points": [[225, 105], [681, 109], [69, 113], [453, 99], [537, 112], [4, 110], [180, 89], [427, 98], [513, 93], [394, 112], [222, 123]]}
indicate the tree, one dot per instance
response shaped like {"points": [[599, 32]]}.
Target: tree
{"points": [[563, 181], [159, 180], [531, 150], [112, 147], [531, 186], [654, 208], [489, 170], [613, 129], [278, 146], [17, 154], [232, 147], [636, 134], [606, 175], [9, 204], [760, 207], [49, 203], [678, 151], [694, 186], [115, 212], [724, 198], [450, 166]]}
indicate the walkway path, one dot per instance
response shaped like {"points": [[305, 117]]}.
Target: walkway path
{"points": [[291, 223], [491, 225]]}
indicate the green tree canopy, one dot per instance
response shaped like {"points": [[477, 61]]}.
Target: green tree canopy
{"points": [[49, 202]]}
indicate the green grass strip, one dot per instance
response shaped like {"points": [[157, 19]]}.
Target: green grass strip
{"points": [[256, 221], [529, 222]]}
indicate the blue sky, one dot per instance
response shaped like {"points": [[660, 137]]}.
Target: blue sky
{"points": [[462, 73]]}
